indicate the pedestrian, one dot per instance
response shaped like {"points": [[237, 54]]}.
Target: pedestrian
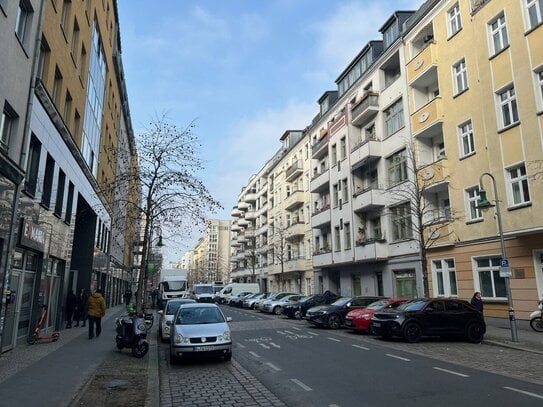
{"points": [[81, 308], [127, 296], [96, 309], [70, 308], [154, 296], [477, 302]]}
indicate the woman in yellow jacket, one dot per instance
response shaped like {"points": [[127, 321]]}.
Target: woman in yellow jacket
{"points": [[96, 309]]}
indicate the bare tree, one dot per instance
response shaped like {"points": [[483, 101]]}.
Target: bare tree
{"points": [[280, 247], [173, 197], [423, 195]]}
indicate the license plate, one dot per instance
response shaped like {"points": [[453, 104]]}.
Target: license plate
{"points": [[203, 348], [377, 324]]}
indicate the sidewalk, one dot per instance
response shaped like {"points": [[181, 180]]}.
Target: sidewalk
{"points": [[77, 372]]}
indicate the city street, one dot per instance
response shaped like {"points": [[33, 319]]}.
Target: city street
{"points": [[307, 366]]}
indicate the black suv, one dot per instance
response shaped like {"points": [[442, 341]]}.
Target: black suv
{"points": [[299, 309], [333, 315], [430, 317]]}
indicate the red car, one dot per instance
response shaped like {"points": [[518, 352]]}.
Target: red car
{"points": [[360, 319]]}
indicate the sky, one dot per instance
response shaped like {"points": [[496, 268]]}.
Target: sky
{"points": [[244, 70]]}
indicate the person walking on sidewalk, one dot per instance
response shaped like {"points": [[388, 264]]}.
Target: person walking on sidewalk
{"points": [[70, 308], [81, 308], [477, 302], [96, 309]]}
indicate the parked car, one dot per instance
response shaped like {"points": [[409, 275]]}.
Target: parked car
{"points": [[237, 300], [264, 307], [167, 315], [249, 302], [332, 316], [259, 302], [430, 317], [200, 329], [274, 306], [299, 309], [360, 319]]}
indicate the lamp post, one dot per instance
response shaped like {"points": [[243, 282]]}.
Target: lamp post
{"points": [[484, 203]]}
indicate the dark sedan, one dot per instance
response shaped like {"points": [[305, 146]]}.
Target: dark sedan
{"points": [[430, 317], [299, 309], [332, 316]]}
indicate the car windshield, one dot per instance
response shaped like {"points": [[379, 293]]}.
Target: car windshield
{"points": [[173, 306], [377, 304], [415, 305], [341, 301], [203, 289], [174, 285], [197, 316]]}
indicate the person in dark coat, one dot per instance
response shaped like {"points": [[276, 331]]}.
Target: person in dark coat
{"points": [[70, 308], [477, 302], [127, 296], [81, 313]]}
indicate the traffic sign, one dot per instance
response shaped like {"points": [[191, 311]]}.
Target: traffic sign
{"points": [[505, 272], [504, 263]]}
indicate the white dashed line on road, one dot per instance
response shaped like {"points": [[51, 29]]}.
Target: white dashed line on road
{"points": [[241, 345], [274, 345], [398, 357], [333, 339], [361, 347], [254, 354], [302, 385], [273, 367], [289, 332], [313, 333], [296, 328], [451, 372], [264, 346], [527, 393]]}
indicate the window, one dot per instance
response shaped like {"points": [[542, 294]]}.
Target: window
{"points": [[34, 153], [394, 118], [343, 148], [508, 107], [467, 142], [391, 34], [455, 22], [535, 12], [498, 34], [539, 84], [345, 189], [22, 22], [375, 229], [444, 278], [397, 167], [48, 181], [65, 15], [334, 155], [8, 124], [460, 76], [57, 86], [336, 194], [75, 39], [59, 203], [472, 197], [69, 203], [491, 285], [401, 222], [347, 232], [518, 181], [43, 61], [68, 108], [338, 238]]}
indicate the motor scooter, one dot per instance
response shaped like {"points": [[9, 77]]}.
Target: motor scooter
{"points": [[132, 333], [536, 318]]}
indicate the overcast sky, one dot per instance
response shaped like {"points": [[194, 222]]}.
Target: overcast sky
{"points": [[245, 70]]}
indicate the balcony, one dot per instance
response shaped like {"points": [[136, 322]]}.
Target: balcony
{"points": [[321, 217], [419, 67], [243, 206], [320, 181], [369, 199], [440, 234], [296, 231], [369, 150], [295, 200], [250, 196], [251, 214], [235, 213], [235, 227], [294, 171], [298, 264], [243, 222], [262, 229], [320, 148], [322, 257], [371, 250], [364, 109], [425, 119], [434, 174]]}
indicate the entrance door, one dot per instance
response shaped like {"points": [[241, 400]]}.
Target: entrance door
{"points": [[12, 312]]}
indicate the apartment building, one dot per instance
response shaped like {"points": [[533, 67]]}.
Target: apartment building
{"points": [[361, 183], [72, 231], [477, 125]]}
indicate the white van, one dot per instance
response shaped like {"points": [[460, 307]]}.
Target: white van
{"points": [[233, 289]]}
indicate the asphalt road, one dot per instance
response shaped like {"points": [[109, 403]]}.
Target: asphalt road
{"points": [[308, 366]]}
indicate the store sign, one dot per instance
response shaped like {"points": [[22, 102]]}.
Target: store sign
{"points": [[32, 236]]}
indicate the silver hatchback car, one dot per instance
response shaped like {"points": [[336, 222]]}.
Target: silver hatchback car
{"points": [[167, 315], [200, 329]]}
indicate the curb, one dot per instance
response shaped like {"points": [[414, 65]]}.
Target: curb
{"points": [[153, 383], [511, 346]]}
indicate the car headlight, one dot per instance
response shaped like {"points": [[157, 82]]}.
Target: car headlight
{"points": [[319, 313], [225, 337], [180, 339], [166, 328]]}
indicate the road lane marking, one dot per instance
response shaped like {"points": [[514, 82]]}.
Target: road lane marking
{"points": [[289, 332], [313, 333], [398, 357], [274, 345], [451, 372], [241, 345], [281, 333], [296, 328], [302, 385], [527, 393], [361, 347], [264, 346], [333, 339], [254, 354], [273, 367]]}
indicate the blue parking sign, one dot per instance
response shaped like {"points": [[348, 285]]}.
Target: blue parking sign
{"points": [[504, 263]]}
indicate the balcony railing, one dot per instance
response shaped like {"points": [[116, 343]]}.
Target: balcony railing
{"points": [[295, 170], [365, 109]]}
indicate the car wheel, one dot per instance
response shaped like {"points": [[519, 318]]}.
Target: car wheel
{"points": [[298, 314], [228, 356], [333, 321], [277, 310], [537, 324], [412, 332], [475, 332]]}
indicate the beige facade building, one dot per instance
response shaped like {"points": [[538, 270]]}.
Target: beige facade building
{"points": [[476, 123]]}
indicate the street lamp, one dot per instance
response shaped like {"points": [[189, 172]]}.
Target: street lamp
{"points": [[505, 271]]}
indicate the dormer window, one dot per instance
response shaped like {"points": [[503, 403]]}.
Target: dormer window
{"points": [[391, 33]]}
